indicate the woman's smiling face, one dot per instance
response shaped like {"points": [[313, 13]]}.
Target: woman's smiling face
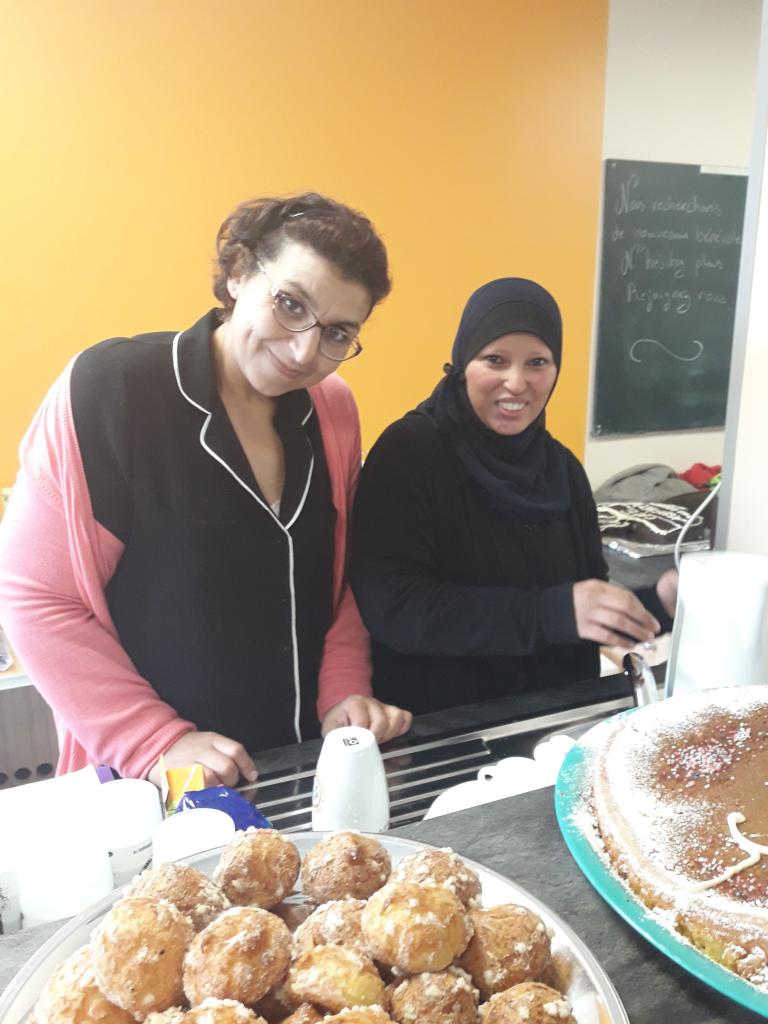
{"points": [[268, 357], [509, 382]]}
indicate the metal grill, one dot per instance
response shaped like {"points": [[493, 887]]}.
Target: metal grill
{"points": [[418, 772]]}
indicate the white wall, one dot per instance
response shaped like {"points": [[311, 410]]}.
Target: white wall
{"points": [[680, 86], [744, 496]]}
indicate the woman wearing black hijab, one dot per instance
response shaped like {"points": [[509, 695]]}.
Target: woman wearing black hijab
{"points": [[476, 556]]}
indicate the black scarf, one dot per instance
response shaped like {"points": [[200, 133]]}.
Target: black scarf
{"points": [[526, 474]]}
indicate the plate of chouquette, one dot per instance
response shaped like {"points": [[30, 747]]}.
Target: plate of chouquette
{"points": [[665, 810], [304, 927]]}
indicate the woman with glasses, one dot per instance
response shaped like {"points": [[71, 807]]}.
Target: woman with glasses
{"points": [[476, 556], [173, 555]]}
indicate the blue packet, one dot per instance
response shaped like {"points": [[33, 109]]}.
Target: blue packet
{"points": [[223, 798]]}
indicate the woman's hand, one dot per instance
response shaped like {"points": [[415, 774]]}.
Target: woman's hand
{"points": [[224, 760], [384, 720], [666, 588], [611, 615]]}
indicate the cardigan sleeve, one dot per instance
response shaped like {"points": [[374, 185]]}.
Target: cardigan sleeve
{"points": [[55, 561], [345, 667], [405, 602]]}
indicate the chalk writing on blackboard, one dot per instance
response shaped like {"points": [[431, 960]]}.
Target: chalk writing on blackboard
{"points": [[670, 254], [635, 355]]}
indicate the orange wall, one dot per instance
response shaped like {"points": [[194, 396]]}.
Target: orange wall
{"points": [[468, 131]]}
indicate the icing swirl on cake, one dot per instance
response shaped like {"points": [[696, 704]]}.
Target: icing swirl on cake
{"points": [[755, 851]]}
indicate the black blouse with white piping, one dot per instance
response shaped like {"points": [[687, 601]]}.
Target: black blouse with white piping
{"points": [[222, 605]]}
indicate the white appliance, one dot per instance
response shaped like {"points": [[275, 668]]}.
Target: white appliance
{"points": [[720, 635]]}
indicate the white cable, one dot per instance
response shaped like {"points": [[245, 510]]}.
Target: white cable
{"points": [[692, 516]]}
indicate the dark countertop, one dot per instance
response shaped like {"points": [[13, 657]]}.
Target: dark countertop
{"points": [[519, 837]]}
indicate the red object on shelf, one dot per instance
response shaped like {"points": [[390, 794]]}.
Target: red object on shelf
{"points": [[699, 475]]}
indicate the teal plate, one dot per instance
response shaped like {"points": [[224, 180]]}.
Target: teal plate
{"points": [[571, 789]]}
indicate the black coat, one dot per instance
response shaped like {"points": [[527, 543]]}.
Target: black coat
{"points": [[463, 604]]}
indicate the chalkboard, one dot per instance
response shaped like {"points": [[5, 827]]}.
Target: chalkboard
{"points": [[669, 269]]}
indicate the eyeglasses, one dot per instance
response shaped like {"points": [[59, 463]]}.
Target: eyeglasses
{"points": [[336, 342]]}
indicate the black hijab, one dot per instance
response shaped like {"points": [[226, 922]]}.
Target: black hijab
{"points": [[526, 474]]}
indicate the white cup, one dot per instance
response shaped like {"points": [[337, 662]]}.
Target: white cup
{"points": [[63, 870], [47, 832], [513, 775], [464, 795], [128, 810], [550, 754], [187, 833], [350, 788]]}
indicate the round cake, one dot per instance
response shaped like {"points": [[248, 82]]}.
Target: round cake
{"points": [[680, 791]]}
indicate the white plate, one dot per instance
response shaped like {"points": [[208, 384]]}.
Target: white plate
{"points": [[588, 987]]}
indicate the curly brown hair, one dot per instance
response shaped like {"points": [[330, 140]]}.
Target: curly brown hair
{"points": [[258, 228]]}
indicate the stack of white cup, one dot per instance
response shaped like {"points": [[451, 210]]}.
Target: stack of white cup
{"points": [[63, 870], [54, 860], [128, 811]]}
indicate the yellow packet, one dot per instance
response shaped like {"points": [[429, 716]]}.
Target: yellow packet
{"points": [[178, 781]]}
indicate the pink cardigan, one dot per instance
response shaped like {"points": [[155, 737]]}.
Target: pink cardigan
{"points": [[55, 561]]}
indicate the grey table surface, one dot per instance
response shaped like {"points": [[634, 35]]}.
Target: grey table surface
{"points": [[519, 837], [636, 572]]}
